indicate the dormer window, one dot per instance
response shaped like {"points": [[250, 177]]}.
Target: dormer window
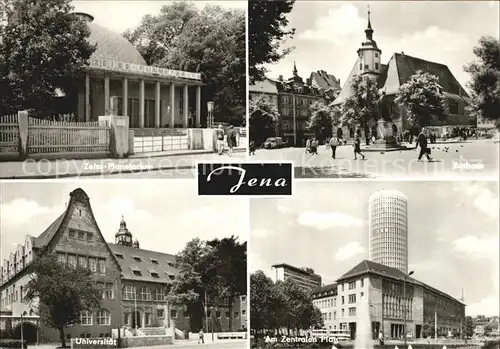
{"points": [[170, 264], [137, 258], [154, 261], [136, 272], [119, 255], [154, 274], [170, 276]]}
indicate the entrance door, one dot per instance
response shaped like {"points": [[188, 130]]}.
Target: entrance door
{"points": [[352, 329], [136, 320], [418, 331]]}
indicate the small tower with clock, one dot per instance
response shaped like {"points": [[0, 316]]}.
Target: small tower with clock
{"points": [[123, 236]]}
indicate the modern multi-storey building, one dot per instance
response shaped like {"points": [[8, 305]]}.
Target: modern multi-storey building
{"points": [[394, 300], [388, 229], [304, 277], [135, 281]]}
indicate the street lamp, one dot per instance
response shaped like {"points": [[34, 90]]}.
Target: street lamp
{"points": [[210, 109], [404, 308], [24, 313]]}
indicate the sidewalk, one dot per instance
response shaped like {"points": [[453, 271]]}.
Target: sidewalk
{"points": [[45, 169]]}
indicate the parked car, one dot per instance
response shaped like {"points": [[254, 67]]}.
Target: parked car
{"points": [[273, 143]]}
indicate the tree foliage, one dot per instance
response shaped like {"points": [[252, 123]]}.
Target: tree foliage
{"points": [[214, 270], [210, 41], [422, 99], [61, 292], [468, 327], [262, 120], [281, 305], [267, 30], [322, 117], [485, 80], [42, 47], [361, 106]]}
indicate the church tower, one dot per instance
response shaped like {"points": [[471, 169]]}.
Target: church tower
{"points": [[369, 54], [123, 236]]}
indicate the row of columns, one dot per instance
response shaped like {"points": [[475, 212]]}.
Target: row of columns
{"points": [[142, 101]]}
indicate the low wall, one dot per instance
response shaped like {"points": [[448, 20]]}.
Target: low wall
{"points": [[146, 341], [220, 335]]}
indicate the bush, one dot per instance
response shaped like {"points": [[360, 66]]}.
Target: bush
{"points": [[12, 343], [491, 345]]}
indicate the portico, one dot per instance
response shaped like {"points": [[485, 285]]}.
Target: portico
{"points": [[151, 97]]}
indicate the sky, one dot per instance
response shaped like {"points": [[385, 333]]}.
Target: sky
{"points": [[453, 237], [328, 33], [119, 16], [162, 215]]}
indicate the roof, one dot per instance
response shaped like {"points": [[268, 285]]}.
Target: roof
{"points": [[330, 290], [388, 192], [398, 71], [146, 262], [43, 239], [369, 267], [324, 80], [112, 46], [265, 86], [291, 267]]}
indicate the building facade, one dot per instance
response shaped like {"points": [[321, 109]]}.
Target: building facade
{"points": [[135, 282], [389, 78], [152, 97], [304, 277], [388, 229], [392, 304]]}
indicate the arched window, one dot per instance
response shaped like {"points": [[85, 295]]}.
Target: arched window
{"points": [[103, 317]]}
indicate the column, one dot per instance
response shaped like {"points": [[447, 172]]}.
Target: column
{"points": [[186, 106], [141, 104], [106, 95], [198, 106], [87, 97], [157, 105], [172, 105], [143, 317], [125, 97]]}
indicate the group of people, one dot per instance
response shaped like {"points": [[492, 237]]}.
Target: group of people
{"points": [[334, 142], [231, 135]]}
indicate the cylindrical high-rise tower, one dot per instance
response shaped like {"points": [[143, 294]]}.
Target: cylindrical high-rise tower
{"points": [[388, 230]]}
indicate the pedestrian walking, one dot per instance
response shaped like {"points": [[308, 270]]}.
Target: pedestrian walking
{"points": [[308, 145], [422, 143], [314, 146], [220, 139], [231, 139], [380, 338], [251, 148], [334, 142], [201, 338], [357, 147]]}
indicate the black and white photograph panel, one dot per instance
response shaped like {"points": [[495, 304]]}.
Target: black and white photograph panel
{"points": [[375, 89], [113, 265], [120, 88], [366, 265]]}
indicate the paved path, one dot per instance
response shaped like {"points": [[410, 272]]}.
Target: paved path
{"points": [[229, 344], [176, 166], [476, 158]]}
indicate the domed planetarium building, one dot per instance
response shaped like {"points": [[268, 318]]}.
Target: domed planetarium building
{"points": [[151, 97]]}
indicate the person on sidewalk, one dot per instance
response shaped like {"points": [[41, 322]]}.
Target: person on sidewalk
{"points": [[314, 146], [251, 148], [334, 142], [201, 338], [422, 143], [231, 139], [357, 147], [220, 140], [380, 339], [308, 145]]}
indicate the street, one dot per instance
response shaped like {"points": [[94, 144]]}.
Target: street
{"points": [[475, 158]]}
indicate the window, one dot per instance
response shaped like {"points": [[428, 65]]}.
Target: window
{"points": [[362, 282], [335, 302], [160, 313], [352, 298], [360, 66], [119, 255], [170, 264], [92, 264], [243, 298], [86, 318], [376, 54], [102, 266], [137, 272], [173, 314], [217, 314], [154, 261], [72, 234], [148, 318], [334, 315], [145, 293], [342, 287], [362, 294], [376, 66], [343, 313], [103, 317], [72, 260], [236, 315], [128, 292], [342, 299], [352, 311], [82, 262], [61, 258], [81, 235], [366, 67], [137, 259], [108, 291], [90, 236], [243, 312], [154, 274], [160, 295], [352, 285]]}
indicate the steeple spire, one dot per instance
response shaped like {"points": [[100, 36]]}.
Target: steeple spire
{"points": [[369, 30], [294, 69]]}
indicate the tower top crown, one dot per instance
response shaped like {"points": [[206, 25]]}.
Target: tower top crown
{"points": [[369, 30]]}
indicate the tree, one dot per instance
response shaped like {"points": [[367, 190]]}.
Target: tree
{"points": [[485, 80], [360, 108], [262, 292], [321, 119], [191, 284], [43, 47], [423, 100], [227, 270], [262, 120], [155, 36], [468, 327], [267, 30], [61, 292], [211, 41]]}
